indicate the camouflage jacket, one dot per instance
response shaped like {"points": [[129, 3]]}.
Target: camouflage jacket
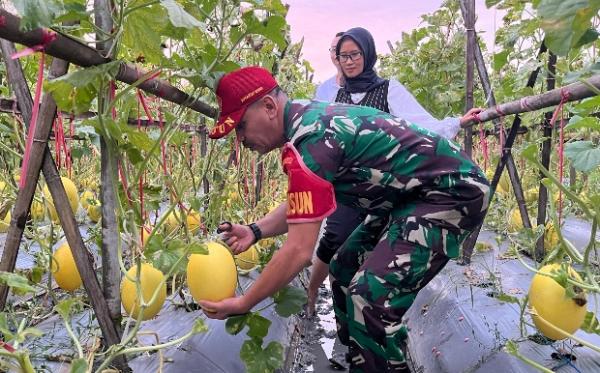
{"points": [[373, 161]]}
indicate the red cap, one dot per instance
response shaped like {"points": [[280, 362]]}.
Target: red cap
{"points": [[235, 92]]}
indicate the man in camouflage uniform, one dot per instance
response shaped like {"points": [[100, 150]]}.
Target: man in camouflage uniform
{"points": [[423, 197]]}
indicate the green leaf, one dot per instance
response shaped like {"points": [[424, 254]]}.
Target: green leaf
{"points": [[587, 106], [73, 11], [530, 152], [590, 36], [565, 22], [134, 155], [258, 326], [491, 3], [199, 326], [591, 324], [112, 128], [584, 155], [16, 281], [273, 28], [195, 203], [179, 138], [500, 59], [79, 366], [36, 274], [197, 248], [166, 260], [5, 329], [289, 301], [75, 91], [65, 307], [503, 297], [259, 360], [511, 347], [236, 324], [179, 17], [140, 139], [175, 249], [577, 122], [36, 14], [153, 246], [141, 33], [31, 331]]}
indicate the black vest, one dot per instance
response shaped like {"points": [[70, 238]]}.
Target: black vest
{"points": [[376, 98]]}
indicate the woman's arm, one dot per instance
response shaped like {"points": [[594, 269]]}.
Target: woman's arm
{"points": [[404, 105]]}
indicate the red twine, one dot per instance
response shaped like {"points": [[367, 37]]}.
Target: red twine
{"points": [[7, 347], [48, 36], [33, 124], [482, 141]]}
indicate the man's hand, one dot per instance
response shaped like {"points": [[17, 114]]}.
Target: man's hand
{"points": [[238, 237], [225, 308], [318, 273], [469, 118]]}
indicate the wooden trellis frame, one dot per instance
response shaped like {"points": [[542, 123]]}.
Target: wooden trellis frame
{"points": [[575, 92], [10, 106], [67, 51]]}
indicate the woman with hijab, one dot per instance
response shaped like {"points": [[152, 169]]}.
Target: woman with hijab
{"points": [[356, 55]]}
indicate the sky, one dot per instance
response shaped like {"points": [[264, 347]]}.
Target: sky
{"points": [[319, 20]]}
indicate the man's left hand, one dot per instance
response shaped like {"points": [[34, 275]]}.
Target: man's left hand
{"points": [[469, 119], [225, 308]]}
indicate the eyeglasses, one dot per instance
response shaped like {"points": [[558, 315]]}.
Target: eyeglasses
{"points": [[354, 56], [332, 49]]}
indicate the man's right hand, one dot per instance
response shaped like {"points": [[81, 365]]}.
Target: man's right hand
{"points": [[318, 273], [239, 237]]}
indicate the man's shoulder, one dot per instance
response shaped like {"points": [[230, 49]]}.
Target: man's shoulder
{"points": [[335, 109]]}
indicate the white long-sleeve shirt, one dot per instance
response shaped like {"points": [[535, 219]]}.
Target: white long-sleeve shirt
{"points": [[402, 104]]}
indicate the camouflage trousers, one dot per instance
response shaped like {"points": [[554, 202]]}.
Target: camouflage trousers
{"points": [[377, 273]]}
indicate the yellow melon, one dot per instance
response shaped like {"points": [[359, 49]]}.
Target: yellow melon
{"points": [[85, 198], [551, 238], [3, 188], [71, 190], [53, 213], [247, 259], [172, 223], [5, 223], [151, 279], [503, 186], [515, 223], [37, 211], [213, 276], [64, 269], [193, 221], [551, 305], [94, 211], [531, 195]]}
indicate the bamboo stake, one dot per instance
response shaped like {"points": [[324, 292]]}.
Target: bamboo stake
{"points": [[7, 106], [79, 54], [574, 92], [111, 272], [506, 158], [41, 154], [470, 59], [545, 157], [510, 162]]}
